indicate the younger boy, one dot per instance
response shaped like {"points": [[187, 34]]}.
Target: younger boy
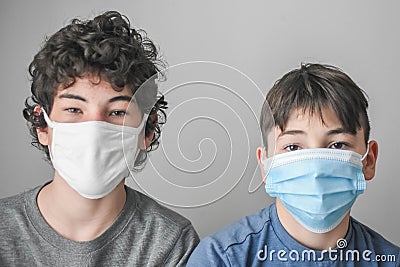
{"points": [[316, 160]]}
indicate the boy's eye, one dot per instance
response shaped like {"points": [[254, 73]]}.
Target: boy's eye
{"points": [[292, 147], [338, 145], [73, 110], [118, 113]]}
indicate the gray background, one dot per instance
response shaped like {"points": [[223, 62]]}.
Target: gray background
{"points": [[263, 39]]}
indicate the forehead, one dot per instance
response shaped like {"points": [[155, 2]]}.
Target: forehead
{"points": [[92, 85], [305, 118]]}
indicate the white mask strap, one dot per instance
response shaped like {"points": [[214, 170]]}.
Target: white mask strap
{"points": [[366, 153], [263, 153], [47, 119]]}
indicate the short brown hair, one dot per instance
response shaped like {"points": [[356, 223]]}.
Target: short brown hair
{"points": [[311, 87]]}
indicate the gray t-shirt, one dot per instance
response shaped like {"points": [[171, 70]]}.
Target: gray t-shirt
{"points": [[144, 234]]}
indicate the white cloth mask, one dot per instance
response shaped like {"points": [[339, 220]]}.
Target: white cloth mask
{"points": [[93, 157]]}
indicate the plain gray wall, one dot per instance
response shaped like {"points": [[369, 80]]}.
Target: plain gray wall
{"points": [[263, 39]]}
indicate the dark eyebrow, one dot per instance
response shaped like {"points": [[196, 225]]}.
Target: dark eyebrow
{"points": [[121, 98], [291, 132], [339, 131], [71, 96], [114, 99]]}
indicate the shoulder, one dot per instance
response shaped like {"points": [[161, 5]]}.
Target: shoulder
{"points": [[13, 218], [243, 229], [150, 210], [10, 206], [373, 240], [161, 224], [169, 233], [240, 236]]}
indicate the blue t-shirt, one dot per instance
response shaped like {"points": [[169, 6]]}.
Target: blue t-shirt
{"points": [[261, 240]]}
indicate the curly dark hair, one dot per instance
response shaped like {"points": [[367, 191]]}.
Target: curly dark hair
{"points": [[106, 46]]}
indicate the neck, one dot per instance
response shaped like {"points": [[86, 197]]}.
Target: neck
{"points": [[307, 238], [75, 217]]}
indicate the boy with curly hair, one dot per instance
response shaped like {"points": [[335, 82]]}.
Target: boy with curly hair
{"points": [[95, 112]]}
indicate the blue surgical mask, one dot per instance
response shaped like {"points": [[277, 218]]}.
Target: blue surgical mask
{"points": [[317, 186]]}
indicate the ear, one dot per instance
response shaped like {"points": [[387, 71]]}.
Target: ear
{"points": [[43, 136], [259, 155], [43, 133], [149, 138], [369, 163]]}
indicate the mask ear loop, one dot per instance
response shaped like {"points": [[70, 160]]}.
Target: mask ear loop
{"points": [[263, 154], [251, 191], [47, 119], [51, 124], [366, 153]]}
